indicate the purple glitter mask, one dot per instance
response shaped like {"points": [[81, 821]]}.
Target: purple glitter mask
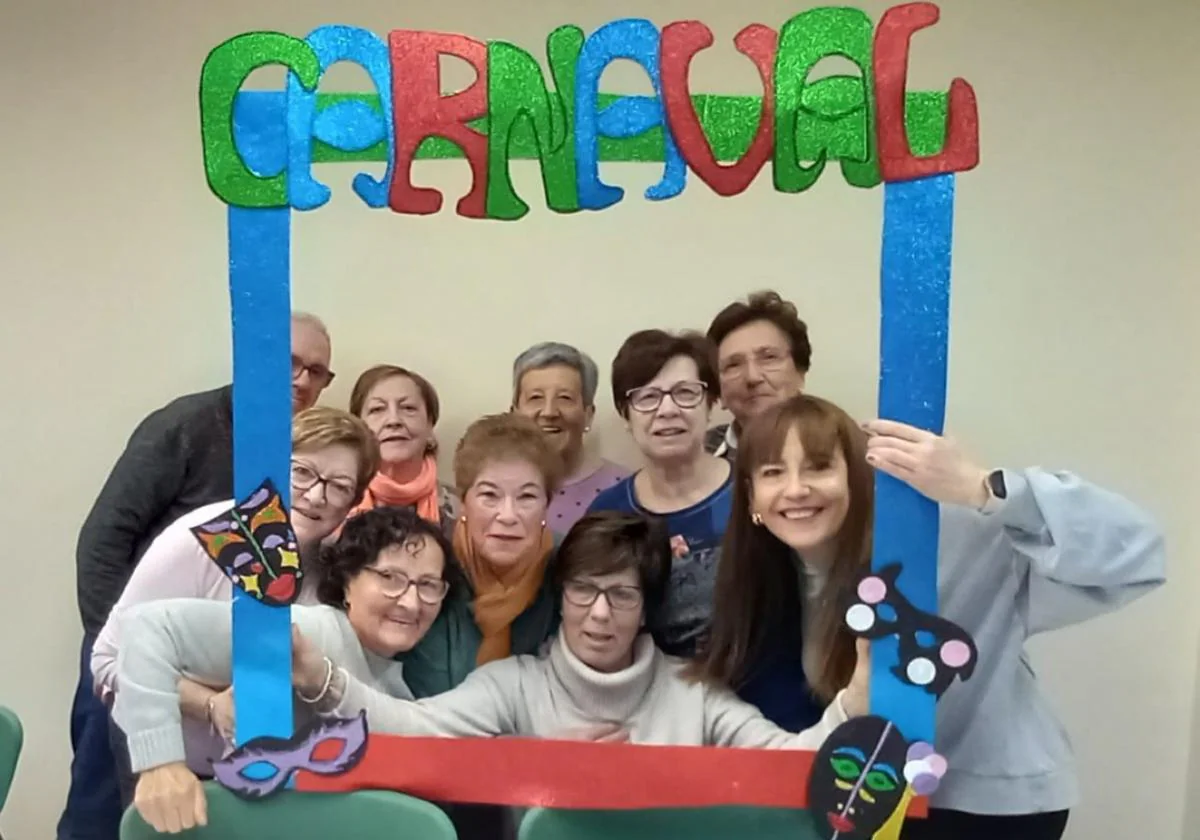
{"points": [[262, 766]]}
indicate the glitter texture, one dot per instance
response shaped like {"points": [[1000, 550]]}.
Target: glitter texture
{"points": [[260, 303], [680, 43], [225, 69], [804, 41], [914, 337], [961, 123], [516, 90], [420, 110], [628, 116], [348, 125]]}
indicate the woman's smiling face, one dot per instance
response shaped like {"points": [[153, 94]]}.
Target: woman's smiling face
{"points": [[802, 498]]}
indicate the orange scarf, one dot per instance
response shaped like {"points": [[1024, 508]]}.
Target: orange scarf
{"points": [[500, 599], [422, 493]]}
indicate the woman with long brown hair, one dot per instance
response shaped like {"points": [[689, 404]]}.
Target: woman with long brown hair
{"points": [[1020, 552], [799, 538]]}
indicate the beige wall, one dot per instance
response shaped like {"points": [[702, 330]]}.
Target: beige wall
{"points": [[1074, 310]]}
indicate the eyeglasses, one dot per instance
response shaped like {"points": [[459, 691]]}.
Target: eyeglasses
{"points": [[683, 394], [319, 374], [337, 491], [765, 358], [430, 591], [584, 594]]}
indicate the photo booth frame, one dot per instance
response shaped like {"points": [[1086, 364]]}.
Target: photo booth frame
{"points": [[258, 150]]}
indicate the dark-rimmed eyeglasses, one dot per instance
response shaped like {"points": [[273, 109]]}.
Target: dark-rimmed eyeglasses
{"points": [[584, 594], [683, 394], [337, 491], [392, 584], [319, 374]]}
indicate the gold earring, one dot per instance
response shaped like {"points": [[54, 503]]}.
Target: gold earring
{"points": [[756, 518]]}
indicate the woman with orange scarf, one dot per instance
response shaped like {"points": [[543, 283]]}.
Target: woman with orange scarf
{"points": [[506, 472], [401, 408]]}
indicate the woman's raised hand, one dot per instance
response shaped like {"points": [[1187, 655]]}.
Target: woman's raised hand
{"points": [[935, 466], [170, 798], [857, 700]]}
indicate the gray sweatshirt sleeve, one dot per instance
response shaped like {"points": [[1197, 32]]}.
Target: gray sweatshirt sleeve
{"points": [[166, 640], [732, 722], [1089, 551], [482, 705]]}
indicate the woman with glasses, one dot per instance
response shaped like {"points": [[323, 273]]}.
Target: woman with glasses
{"points": [[334, 456], [613, 570], [378, 590], [664, 386], [601, 667]]}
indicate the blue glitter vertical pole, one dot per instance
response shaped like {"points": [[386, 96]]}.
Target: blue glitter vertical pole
{"points": [[918, 219], [259, 246]]}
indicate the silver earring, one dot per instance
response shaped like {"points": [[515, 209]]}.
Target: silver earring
{"points": [[756, 518]]}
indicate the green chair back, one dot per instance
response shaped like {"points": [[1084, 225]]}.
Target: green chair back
{"points": [[362, 815], [12, 736], [724, 823]]}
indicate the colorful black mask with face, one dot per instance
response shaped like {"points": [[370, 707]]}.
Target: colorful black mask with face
{"points": [[254, 545], [857, 779]]}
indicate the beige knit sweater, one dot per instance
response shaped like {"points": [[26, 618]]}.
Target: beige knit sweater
{"points": [[546, 697]]}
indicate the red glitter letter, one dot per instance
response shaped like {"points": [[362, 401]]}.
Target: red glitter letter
{"points": [[680, 43], [420, 111], [896, 160]]}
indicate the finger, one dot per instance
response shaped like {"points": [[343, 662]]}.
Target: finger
{"points": [[170, 818], [892, 428], [894, 462], [154, 817], [201, 805], [862, 649], [617, 736], [892, 442]]}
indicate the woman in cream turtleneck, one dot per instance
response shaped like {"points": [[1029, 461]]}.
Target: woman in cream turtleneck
{"points": [[601, 671], [601, 668]]}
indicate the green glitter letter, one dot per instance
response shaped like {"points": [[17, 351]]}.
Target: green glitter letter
{"points": [[814, 113], [516, 90], [225, 70]]}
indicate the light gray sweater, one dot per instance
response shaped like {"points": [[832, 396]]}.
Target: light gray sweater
{"points": [[525, 695], [1056, 552], [166, 640], [545, 697]]}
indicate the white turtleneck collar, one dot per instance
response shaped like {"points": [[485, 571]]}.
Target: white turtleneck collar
{"points": [[602, 696]]}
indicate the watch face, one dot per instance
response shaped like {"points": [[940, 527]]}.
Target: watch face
{"points": [[997, 486]]}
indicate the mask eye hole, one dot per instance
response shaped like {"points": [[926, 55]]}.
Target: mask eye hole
{"points": [[327, 750], [259, 771]]}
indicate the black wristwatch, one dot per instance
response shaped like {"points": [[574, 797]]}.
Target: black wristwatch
{"points": [[996, 486]]}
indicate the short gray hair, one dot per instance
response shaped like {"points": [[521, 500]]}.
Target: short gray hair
{"points": [[550, 353], [313, 321]]}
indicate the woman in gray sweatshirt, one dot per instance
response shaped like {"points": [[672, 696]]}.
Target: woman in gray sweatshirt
{"points": [[601, 670], [1021, 552]]}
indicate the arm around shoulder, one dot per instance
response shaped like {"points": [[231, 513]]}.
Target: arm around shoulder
{"points": [[731, 722], [481, 706]]}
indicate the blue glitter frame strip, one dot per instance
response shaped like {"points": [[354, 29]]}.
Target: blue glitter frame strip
{"points": [[259, 272], [918, 227]]}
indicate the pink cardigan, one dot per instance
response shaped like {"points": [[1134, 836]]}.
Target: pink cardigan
{"points": [[174, 566]]}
